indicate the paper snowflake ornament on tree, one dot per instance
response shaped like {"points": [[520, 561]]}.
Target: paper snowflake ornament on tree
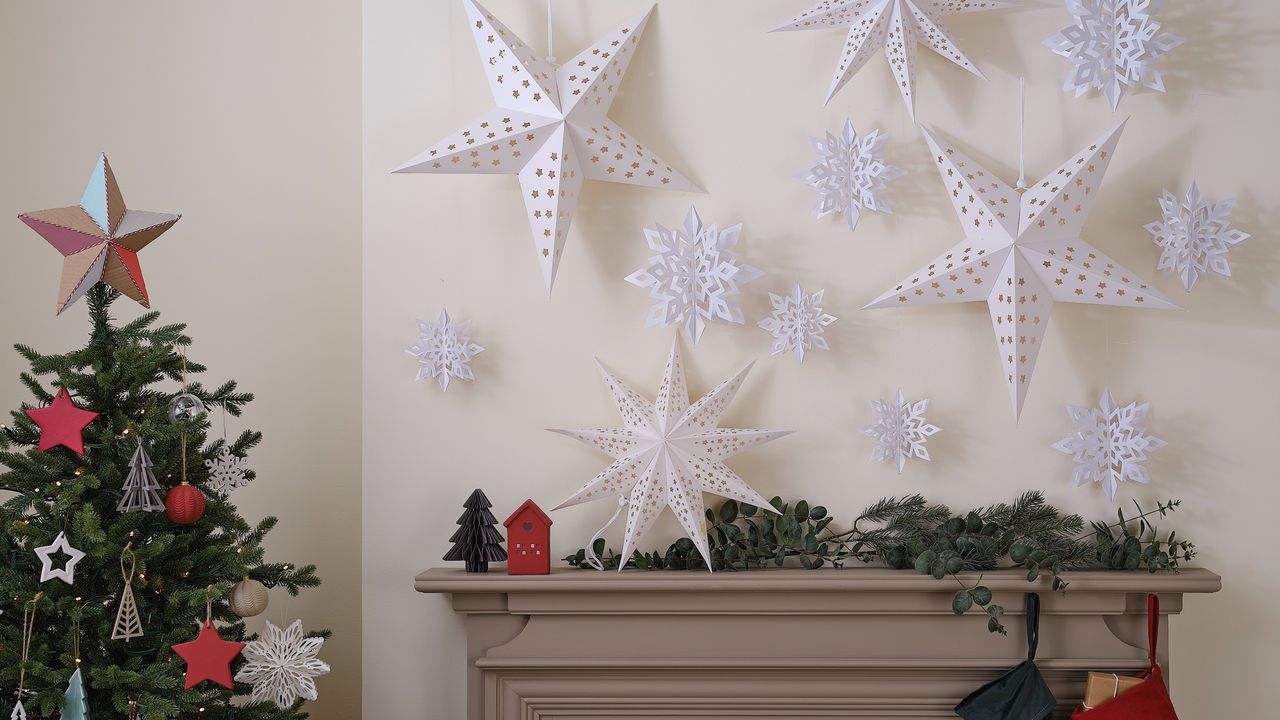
{"points": [[60, 545], [798, 322], [551, 128], [900, 430], [1022, 254], [897, 26], [444, 350], [228, 471], [282, 665], [1194, 236], [1109, 444], [1113, 46], [668, 453], [695, 275], [851, 173]]}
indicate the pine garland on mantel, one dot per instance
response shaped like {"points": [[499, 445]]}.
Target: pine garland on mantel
{"points": [[910, 532]]}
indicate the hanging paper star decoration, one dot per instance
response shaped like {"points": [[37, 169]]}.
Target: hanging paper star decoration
{"points": [[1194, 236], [669, 453], [900, 430], [1022, 254], [694, 275], [1109, 444], [282, 665], [895, 25], [1113, 46], [99, 238], [62, 423], [60, 545], [797, 322], [208, 657], [444, 350], [851, 173], [551, 128], [228, 471]]}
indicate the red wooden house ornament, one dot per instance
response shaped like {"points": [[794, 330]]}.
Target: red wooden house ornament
{"points": [[528, 541]]}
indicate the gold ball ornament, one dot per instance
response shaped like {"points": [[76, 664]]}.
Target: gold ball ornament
{"points": [[248, 598]]}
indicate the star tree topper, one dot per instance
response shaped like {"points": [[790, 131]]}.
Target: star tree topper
{"points": [[99, 238], [1022, 254], [895, 25], [551, 128], [208, 656], [1109, 444], [668, 453], [62, 423]]}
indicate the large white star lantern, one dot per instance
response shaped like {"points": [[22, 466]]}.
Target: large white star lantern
{"points": [[1109, 444], [1194, 236], [1022, 254], [550, 128], [897, 26], [668, 453]]}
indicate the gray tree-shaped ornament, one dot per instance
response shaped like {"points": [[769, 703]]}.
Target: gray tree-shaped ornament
{"points": [[477, 542], [141, 489]]}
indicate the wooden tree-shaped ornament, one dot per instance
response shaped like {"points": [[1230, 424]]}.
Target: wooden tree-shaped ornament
{"points": [[477, 542], [141, 489], [128, 623]]}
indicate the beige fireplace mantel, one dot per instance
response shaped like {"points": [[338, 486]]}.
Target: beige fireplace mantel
{"points": [[781, 643]]}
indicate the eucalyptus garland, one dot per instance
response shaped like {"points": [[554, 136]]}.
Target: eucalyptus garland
{"points": [[912, 533]]}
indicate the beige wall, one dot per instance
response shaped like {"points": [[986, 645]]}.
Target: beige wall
{"points": [[244, 116]]}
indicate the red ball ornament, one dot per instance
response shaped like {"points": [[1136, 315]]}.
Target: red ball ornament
{"points": [[184, 504]]}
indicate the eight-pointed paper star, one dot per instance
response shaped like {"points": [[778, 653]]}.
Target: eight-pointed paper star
{"points": [[208, 657], [67, 573], [99, 238], [669, 453], [895, 25], [1023, 254], [551, 129], [62, 423]]}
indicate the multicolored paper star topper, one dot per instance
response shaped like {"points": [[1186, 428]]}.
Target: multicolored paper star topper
{"points": [[62, 423], [99, 239], [208, 657]]}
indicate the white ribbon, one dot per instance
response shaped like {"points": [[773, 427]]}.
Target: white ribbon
{"points": [[592, 559]]}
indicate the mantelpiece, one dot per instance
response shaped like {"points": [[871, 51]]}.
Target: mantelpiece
{"points": [[780, 643]]}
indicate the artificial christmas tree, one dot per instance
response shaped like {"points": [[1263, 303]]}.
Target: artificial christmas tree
{"points": [[477, 542], [122, 374]]}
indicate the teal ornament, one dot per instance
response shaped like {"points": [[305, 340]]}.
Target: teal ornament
{"points": [[75, 704]]}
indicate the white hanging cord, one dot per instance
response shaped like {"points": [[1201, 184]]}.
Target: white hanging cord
{"points": [[551, 56], [1022, 134], [592, 559]]}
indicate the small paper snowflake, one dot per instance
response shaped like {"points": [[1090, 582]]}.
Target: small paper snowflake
{"points": [[850, 174], [444, 351], [1194, 236], [693, 276], [227, 471], [797, 322], [1114, 46], [1109, 444], [281, 665], [900, 430]]}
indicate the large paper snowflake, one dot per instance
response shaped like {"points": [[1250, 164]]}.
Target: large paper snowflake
{"points": [[1110, 444], [900, 430], [694, 276], [1194, 236], [669, 453], [282, 664], [797, 322], [850, 174], [228, 471], [444, 350], [895, 25], [1113, 46]]}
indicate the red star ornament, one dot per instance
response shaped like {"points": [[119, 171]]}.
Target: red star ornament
{"points": [[62, 423], [209, 657]]}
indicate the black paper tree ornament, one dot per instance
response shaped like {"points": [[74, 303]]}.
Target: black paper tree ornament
{"points": [[477, 542]]}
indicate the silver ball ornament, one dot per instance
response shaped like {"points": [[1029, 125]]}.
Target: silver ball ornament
{"points": [[185, 408], [248, 598]]}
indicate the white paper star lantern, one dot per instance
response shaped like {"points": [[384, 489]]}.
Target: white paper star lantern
{"points": [[897, 26], [900, 430], [1194, 236], [668, 453], [1113, 46], [551, 128], [694, 276], [282, 665], [851, 174], [66, 573], [1022, 254], [1109, 444], [444, 350], [798, 322]]}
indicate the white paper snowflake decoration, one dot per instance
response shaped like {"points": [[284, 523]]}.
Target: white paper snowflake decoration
{"points": [[1194, 236], [1109, 444], [282, 664], [798, 322], [444, 350], [900, 430], [228, 471], [851, 173], [669, 453], [1113, 47], [695, 275], [67, 573]]}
